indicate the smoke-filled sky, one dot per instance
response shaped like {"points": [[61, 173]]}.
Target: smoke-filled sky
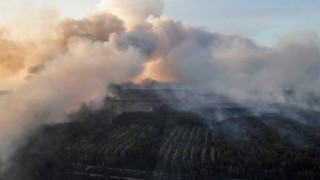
{"points": [[264, 21], [57, 56]]}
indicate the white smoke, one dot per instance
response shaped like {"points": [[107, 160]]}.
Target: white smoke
{"points": [[233, 65], [133, 12], [78, 75], [76, 62]]}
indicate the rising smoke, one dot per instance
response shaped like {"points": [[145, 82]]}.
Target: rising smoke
{"points": [[131, 41]]}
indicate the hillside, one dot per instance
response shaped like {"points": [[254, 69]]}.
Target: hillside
{"points": [[138, 135]]}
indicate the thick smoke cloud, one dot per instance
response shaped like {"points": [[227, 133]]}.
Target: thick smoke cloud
{"points": [[232, 65], [11, 57], [133, 12], [18, 56], [132, 41], [78, 75], [98, 26], [58, 73]]}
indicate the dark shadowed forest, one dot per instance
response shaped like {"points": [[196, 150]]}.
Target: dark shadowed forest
{"points": [[137, 135]]}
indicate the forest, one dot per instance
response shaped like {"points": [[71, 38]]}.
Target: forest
{"points": [[166, 143]]}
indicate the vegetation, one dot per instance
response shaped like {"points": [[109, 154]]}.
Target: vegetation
{"points": [[164, 141], [164, 144]]}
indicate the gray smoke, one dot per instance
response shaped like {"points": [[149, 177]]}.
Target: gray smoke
{"points": [[232, 65], [136, 42], [98, 26]]}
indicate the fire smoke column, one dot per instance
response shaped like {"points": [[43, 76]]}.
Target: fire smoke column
{"points": [[79, 75], [133, 12]]}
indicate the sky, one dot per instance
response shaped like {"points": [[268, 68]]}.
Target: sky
{"points": [[263, 21]]}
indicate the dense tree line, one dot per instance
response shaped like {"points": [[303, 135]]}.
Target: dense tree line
{"points": [[180, 143]]}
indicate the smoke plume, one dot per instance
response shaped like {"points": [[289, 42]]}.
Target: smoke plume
{"points": [[98, 26], [11, 57], [133, 12], [233, 65], [131, 40]]}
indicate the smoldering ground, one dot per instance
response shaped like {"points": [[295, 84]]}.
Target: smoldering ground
{"points": [[113, 45]]}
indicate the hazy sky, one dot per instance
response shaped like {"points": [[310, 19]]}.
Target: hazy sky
{"points": [[264, 21]]}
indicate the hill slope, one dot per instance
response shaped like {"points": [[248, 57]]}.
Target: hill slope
{"points": [[163, 143]]}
